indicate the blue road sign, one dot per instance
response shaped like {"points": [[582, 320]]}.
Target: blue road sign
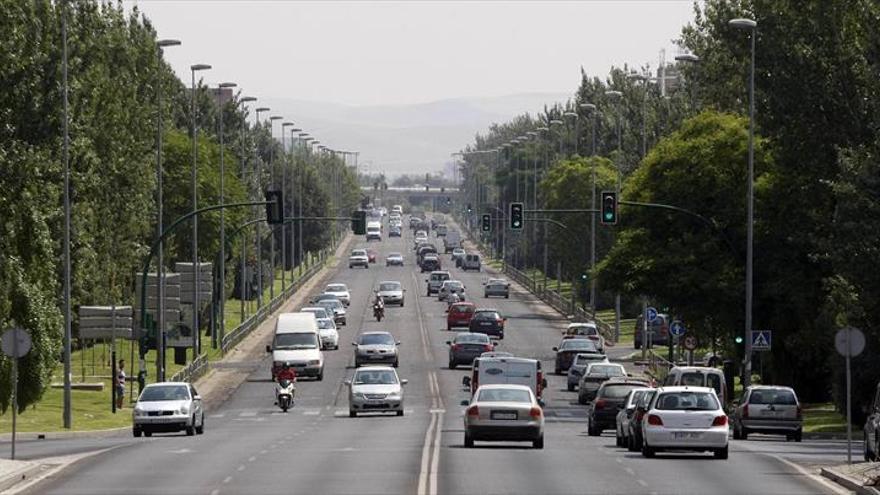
{"points": [[676, 328], [651, 314], [761, 340]]}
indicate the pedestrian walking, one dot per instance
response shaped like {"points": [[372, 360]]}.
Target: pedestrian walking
{"points": [[120, 383]]}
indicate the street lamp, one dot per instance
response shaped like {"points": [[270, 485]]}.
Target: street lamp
{"points": [[160, 262], [222, 267], [617, 96], [751, 26], [293, 182], [242, 286], [687, 57], [195, 205], [257, 230], [591, 108], [284, 256]]}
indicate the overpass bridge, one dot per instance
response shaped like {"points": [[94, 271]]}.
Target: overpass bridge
{"points": [[434, 198]]}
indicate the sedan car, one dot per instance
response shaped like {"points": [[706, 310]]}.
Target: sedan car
{"points": [[391, 292], [497, 287], [340, 291], [328, 333], [394, 259], [488, 321], [595, 375], [459, 315], [685, 418], [450, 286], [466, 346], [375, 389], [587, 330], [504, 413], [358, 257], [168, 407], [430, 263], [609, 401], [457, 255], [375, 347], [579, 366], [568, 349], [768, 409], [338, 309], [627, 414], [394, 231]]}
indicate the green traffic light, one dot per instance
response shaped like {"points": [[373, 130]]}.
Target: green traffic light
{"points": [[609, 216], [738, 340]]}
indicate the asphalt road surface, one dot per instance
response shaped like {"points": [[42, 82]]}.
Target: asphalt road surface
{"points": [[250, 446]]}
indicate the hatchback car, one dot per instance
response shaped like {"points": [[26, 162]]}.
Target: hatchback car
{"points": [[394, 259], [768, 409], [626, 414], [685, 418], [609, 401], [587, 330], [435, 280], [595, 375], [336, 306], [375, 389], [459, 315], [579, 366], [340, 291], [457, 256], [466, 346], [504, 413], [375, 347], [168, 407], [328, 333], [430, 263], [450, 286], [568, 349], [358, 257], [872, 428], [488, 321], [391, 292], [497, 287]]}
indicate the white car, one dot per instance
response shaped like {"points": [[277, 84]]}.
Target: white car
{"points": [[328, 333], [168, 407], [358, 257], [320, 312], [391, 292], [394, 259], [375, 389], [504, 413], [340, 291], [685, 418], [588, 330]]}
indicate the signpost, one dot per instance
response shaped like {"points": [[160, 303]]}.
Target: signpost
{"points": [[677, 328], [849, 342], [761, 340], [690, 343], [15, 343]]}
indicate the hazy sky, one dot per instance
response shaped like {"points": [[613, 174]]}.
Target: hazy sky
{"points": [[370, 52]]}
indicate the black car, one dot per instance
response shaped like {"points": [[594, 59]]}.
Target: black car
{"points": [[467, 346], [634, 434], [430, 263], [609, 401], [872, 429], [488, 321], [568, 349]]}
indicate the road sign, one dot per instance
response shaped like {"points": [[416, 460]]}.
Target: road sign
{"points": [[761, 340], [651, 314], [690, 342], [854, 343], [676, 328], [15, 342]]}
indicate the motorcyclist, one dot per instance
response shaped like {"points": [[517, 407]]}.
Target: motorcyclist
{"points": [[452, 298], [378, 305], [286, 373]]}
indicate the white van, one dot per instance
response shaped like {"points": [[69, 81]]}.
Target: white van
{"points": [[507, 370], [698, 376], [374, 231], [297, 343], [451, 241]]}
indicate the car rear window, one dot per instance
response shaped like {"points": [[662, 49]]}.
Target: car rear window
{"points": [[487, 315], [463, 308], [773, 396], [389, 286], [617, 391], [583, 359], [577, 345], [687, 401], [504, 395], [439, 276], [608, 369], [693, 379], [472, 338], [376, 339]]}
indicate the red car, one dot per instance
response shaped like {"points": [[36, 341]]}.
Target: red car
{"points": [[371, 255], [459, 315]]}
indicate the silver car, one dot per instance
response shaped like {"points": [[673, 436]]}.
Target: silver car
{"points": [[768, 409], [328, 333], [391, 292], [336, 307], [450, 286], [497, 287], [319, 311], [358, 257], [394, 259], [376, 348], [504, 413], [579, 366], [340, 291], [375, 389], [168, 407]]}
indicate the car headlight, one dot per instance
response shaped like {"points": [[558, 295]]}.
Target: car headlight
{"points": [[183, 410], [394, 396], [314, 362], [358, 395], [139, 412]]}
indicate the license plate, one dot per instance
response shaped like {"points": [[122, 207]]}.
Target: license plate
{"points": [[508, 415], [680, 435], [379, 356], [485, 324]]}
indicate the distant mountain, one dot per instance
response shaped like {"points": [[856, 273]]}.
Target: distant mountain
{"points": [[415, 138]]}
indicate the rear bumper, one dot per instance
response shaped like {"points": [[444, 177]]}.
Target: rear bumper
{"points": [[665, 438], [505, 433], [772, 425], [604, 420]]}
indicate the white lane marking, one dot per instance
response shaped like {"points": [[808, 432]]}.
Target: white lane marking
{"points": [[642, 482], [252, 458], [217, 416], [435, 411], [422, 331], [630, 471], [215, 491], [834, 487], [263, 452], [426, 452], [227, 479], [241, 468], [311, 412], [247, 414]]}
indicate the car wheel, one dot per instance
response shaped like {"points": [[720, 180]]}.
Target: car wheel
{"points": [[485, 296], [869, 456], [721, 453], [570, 387], [743, 433], [736, 434], [148, 433], [452, 365], [631, 444], [506, 296], [396, 363], [352, 413], [468, 441], [400, 413], [320, 376], [137, 434], [558, 371], [647, 451], [798, 435], [593, 431], [191, 429], [539, 443], [582, 399], [201, 428]]}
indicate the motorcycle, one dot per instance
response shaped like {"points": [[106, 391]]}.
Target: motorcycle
{"points": [[284, 392], [378, 312]]}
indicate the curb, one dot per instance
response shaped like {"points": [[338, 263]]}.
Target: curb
{"points": [[848, 482], [64, 435], [22, 475]]}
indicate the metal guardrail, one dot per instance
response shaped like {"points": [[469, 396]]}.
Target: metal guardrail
{"points": [[193, 370]]}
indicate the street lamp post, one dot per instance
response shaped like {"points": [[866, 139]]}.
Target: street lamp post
{"points": [[559, 123], [242, 286], [292, 209], [284, 256], [644, 79], [617, 96], [195, 206], [577, 129], [160, 263], [589, 107], [689, 58], [273, 174], [65, 151], [222, 267], [752, 27], [302, 179], [258, 231]]}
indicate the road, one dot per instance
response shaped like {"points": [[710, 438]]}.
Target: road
{"points": [[252, 447]]}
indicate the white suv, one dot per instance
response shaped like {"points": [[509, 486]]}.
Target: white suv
{"points": [[358, 257]]}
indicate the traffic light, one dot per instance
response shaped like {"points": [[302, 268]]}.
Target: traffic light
{"points": [[469, 208], [609, 208], [359, 222], [274, 207], [516, 216], [486, 222]]}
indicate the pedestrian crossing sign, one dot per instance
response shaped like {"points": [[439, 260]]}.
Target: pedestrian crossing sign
{"points": [[761, 340]]}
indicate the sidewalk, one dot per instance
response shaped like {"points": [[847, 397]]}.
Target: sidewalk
{"points": [[862, 478], [15, 472]]}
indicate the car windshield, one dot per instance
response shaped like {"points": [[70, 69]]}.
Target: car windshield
{"points": [[583, 359], [607, 370], [389, 286], [617, 390], [394, 255], [687, 401], [358, 252], [336, 288], [504, 395], [693, 379], [375, 377], [318, 312], [577, 345], [376, 339], [472, 338], [438, 277], [453, 284], [781, 397], [325, 323], [286, 341], [487, 315], [165, 392]]}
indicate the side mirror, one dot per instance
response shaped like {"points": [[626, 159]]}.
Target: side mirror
{"points": [[556, 349], [496, 343], [268, 348], [197, 397], [404, 381], [397, 343], [541, 403], [465, 402], [466, 381], [354, 344]]}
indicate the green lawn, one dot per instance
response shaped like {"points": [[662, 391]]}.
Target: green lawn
{"points": [[823, 418]]}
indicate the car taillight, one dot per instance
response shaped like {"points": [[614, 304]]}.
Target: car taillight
{"points": [[720, 421], [535, 412], [800, 412], [600, 404], [456, 347], [654, 420], [473, 411], [746, 411], [488, 348]]}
